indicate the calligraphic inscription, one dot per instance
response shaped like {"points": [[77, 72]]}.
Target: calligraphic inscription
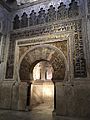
{"points": [[78, 57]]}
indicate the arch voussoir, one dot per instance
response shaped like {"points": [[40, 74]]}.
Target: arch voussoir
{"points": [[40, 53]]}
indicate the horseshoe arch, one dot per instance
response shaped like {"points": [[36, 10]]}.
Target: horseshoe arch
{"points": [[43, 53]]}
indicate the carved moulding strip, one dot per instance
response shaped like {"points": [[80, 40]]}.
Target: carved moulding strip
{"points": [[79, 60], [46, 30], [44, 39], [10, 60]]}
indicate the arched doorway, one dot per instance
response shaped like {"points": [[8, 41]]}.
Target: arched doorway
{"points": [[37, 54], [42, 87]]}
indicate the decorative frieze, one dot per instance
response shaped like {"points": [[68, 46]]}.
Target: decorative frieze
{"points": [[46, 17], [78, 56], [43, 53], [44, 30], [61, 45], [79, 61]]}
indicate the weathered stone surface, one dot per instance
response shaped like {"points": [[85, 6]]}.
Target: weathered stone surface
{"points": [[15, 96], [48, 15], [22, 96], [36, 95], [6, 94], [73, 100]]}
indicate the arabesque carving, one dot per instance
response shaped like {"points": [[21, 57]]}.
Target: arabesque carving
{"points": [[79, 61], [46, 17], [44, 53]]}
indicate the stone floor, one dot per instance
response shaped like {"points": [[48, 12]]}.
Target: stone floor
{"points": [[42, 112]]}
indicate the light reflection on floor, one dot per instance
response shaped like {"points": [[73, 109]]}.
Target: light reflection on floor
{"points": [[41, 112]]}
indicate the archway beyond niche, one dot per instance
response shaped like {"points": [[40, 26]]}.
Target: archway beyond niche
{"points": [[42, 89], [43, 71]]}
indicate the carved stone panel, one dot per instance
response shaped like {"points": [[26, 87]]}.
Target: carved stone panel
{"points": [[24, 20], [73, 9], [79, 58], [62, 12], [41, 17], [10, 61], [51, 15], [16, 22], [47, 53], [33, 18], [61, 45], [46, 16]]}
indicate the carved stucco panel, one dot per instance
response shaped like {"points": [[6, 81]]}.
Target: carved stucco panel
{"points": [[57, 60]]}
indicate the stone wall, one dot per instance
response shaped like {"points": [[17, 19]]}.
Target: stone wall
{"points": [[22, 101], [6, 94], [73, 100], [4, 38], [72, 96]]}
